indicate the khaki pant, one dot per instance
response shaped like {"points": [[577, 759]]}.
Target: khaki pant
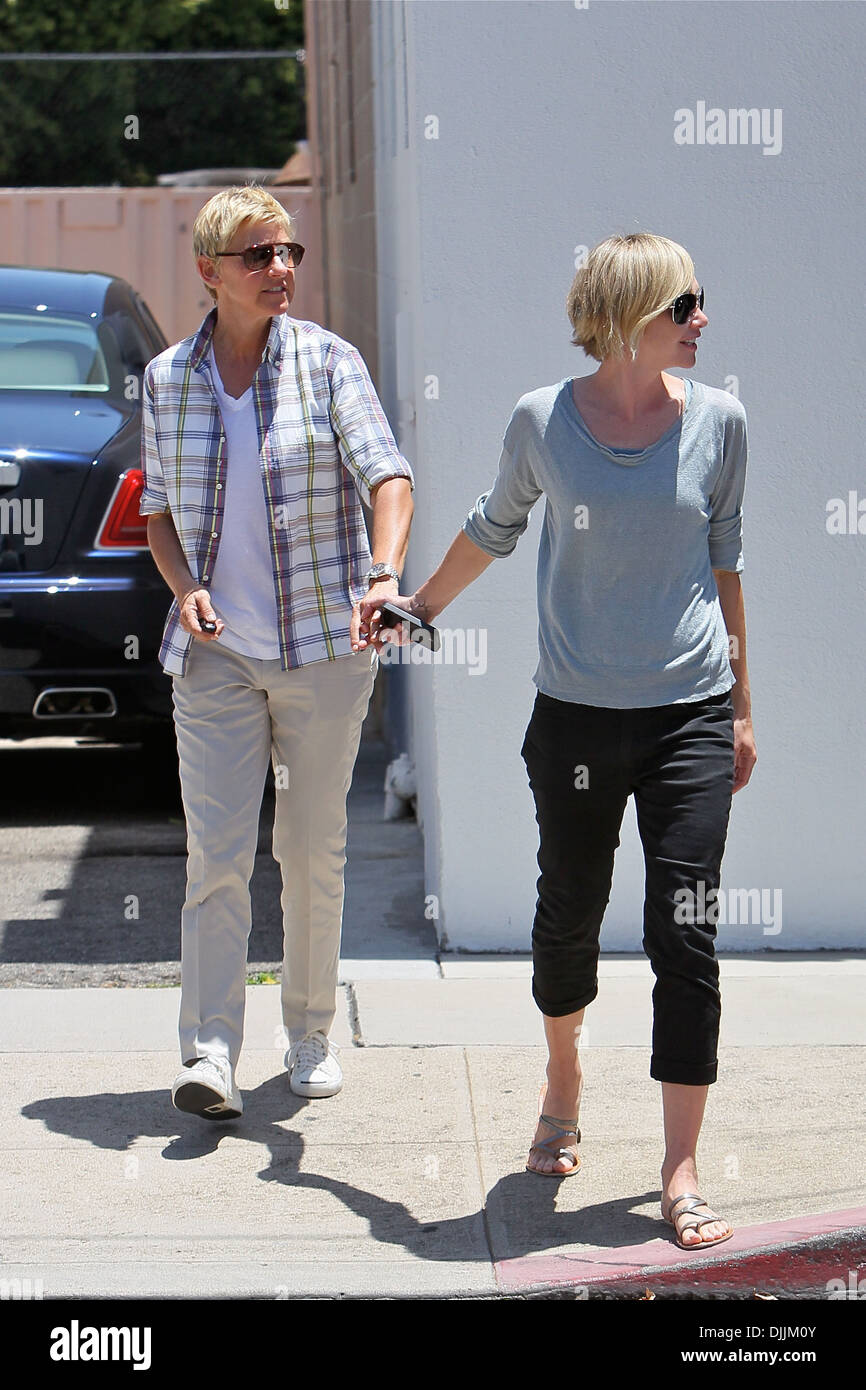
{"points": [[232, 713]]}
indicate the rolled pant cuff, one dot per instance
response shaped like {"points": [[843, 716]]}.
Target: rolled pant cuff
{"points": [[559, 1010], [684, 1073]]}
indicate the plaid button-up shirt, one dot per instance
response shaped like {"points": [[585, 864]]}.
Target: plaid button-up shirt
{"points": [[324, 443]]}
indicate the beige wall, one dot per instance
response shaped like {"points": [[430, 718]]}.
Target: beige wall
{"points": [[341, 142], [145, 236]]}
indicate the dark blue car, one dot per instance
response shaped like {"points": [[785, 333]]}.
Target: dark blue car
{"points": [[82, 604]]}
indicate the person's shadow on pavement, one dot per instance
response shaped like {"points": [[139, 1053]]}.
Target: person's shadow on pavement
{"points": [[519, 1216]]}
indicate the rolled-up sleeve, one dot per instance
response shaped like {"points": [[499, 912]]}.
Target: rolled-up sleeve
{"points": [[726, 498], [367, 446], [154, 498], [501, 515]]}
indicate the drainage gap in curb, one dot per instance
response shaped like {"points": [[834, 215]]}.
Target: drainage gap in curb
{"points": [[354, 1017]]}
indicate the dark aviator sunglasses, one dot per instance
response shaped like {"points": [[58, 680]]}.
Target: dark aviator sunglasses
{"points": [[288, 253]]}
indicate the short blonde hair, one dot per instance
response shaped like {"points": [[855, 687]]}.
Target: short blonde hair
{"points": [[624, 282], [227, 211]]}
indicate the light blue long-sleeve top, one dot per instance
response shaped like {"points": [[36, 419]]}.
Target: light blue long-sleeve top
{"points": [[628, 609]]}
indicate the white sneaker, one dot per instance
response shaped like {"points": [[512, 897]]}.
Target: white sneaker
{"points": [[207, 1088], [313, 1068]]}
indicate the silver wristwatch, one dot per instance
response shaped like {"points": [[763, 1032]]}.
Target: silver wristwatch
{"points": [[377, 571]]}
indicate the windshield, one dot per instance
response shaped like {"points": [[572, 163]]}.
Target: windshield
{"points": [[41, 352]]}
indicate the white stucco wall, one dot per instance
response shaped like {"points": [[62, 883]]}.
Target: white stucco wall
{"points": [[556, 128]]}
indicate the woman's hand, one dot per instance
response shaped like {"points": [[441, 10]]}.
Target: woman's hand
{"points": [[463, 563], [195, 609], [745, 754], [367, 627]]}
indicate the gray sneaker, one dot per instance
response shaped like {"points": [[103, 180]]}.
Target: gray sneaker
{"points": [[206, 1087]]}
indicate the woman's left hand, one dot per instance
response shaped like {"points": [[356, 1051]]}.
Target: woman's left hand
{"points": [[365, 622], [745, 754]]}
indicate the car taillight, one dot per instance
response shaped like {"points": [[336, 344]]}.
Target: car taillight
{"points": [[123, 528]]}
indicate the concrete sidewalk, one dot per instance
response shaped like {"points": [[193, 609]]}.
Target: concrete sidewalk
{"points": [[411, 1181]]}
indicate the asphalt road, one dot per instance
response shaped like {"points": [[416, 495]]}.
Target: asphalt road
{"points": [[93, 868]]}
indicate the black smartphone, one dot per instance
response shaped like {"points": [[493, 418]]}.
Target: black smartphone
{"points": [[206, 625], [424, 634]]}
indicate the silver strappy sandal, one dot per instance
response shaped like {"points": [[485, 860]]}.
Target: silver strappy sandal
{"points": [[564, 1129], [693, 1222]]}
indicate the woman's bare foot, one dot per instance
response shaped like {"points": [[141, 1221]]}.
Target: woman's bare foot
{"points": [[560, 1103], [679, 1181]]}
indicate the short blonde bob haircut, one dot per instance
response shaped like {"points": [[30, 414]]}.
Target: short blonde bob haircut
{"points": [[227, 211], [624, 282]]}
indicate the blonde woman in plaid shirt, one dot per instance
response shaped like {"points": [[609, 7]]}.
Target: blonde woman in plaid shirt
{"points": [[262, 436]]}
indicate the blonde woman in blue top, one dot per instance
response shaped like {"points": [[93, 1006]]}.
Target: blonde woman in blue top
{"points": [[642, 678]]}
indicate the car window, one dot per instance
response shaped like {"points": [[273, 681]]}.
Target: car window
{"points": [[131, 341], [43, 352], [159, 340]]}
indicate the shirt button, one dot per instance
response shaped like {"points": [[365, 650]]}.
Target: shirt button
{"points": [[213, 535], [205, 576], [219, 485]]}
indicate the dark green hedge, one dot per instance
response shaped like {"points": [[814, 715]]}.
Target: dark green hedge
{"points": [[68, 122]]}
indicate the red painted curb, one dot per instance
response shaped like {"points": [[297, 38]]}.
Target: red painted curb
{"points": [[631, 1262]]}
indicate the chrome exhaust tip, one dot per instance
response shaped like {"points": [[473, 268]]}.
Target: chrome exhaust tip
{"points": [[75, 702]]}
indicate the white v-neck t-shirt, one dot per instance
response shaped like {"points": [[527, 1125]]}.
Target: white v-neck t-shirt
{"points": [[242, 585]]}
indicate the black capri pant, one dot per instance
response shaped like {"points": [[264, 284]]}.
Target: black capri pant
{"points": [[584, 761]]}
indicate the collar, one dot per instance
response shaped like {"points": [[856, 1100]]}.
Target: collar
{"points": [[273, 352]]}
